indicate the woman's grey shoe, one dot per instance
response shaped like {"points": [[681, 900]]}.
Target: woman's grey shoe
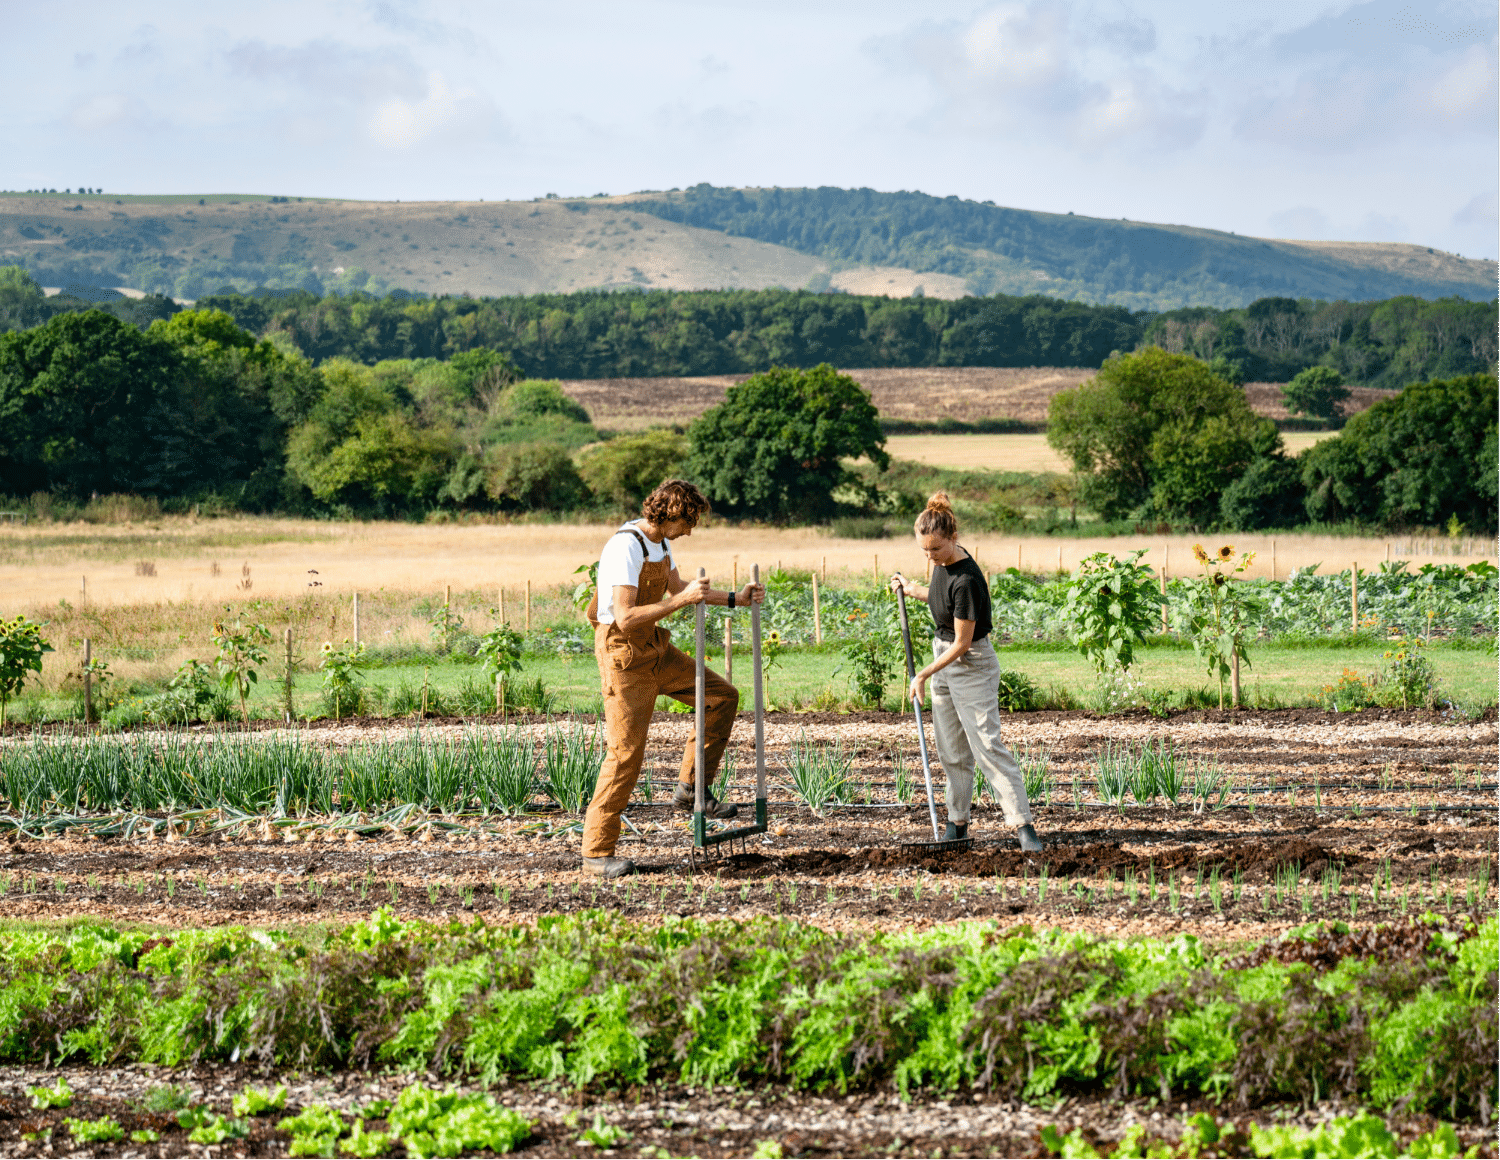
{"points": [[683, 795], [1030, 843], [609, 867], [956, 831]]}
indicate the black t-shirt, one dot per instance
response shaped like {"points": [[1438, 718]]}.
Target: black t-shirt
{"points": [[959, 591]]}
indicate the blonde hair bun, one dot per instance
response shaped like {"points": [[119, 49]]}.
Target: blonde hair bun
{"points": [[937, 518]]}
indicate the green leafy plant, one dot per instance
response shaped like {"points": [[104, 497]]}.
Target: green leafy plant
{"points": [[205, 1126], [1409, 677], [1111, 605], [583, 591], [241, 651], [819, 774], [1222, 614], [166, 1097], [344, 694], [872, 659], [1018, 692], [602, 1135], [499, 650], [315, 1130], [100, 1131], [255, 1101], [60, 1095], [21, 650]]}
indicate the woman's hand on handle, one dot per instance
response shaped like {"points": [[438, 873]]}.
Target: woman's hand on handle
{"points": [[915, 591], [918, 689]]}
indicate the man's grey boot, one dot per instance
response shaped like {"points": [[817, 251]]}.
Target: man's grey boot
{"points": [[683, 798], [609, 866], [956, 831]]}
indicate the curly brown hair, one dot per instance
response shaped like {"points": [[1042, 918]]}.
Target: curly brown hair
{"points": [[675, 499], [937, 519]]}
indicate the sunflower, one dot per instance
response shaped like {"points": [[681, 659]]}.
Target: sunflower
{"points": [[1199, 554], [1226, 553], [773, 637]]}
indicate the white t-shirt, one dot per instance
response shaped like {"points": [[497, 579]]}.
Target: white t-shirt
{"points": [[620, 564]]}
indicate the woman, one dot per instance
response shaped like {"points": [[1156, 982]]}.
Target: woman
{"points": [[965, 676]]}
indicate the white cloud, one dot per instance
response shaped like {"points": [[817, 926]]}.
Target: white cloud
{"points": [[101, 112], [1029, 68], [1301, 221], [1480, 210], [1377, 227], [399, 123]]}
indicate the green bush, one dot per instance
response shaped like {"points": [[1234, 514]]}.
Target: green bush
{"points": [[1268, 495], [1316, 392], [532, 476], [628, 468]]}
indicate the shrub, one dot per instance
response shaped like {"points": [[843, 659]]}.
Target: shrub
{"points": [[1018, 693], [1269, 495], [629, 467], [860, 528], [1317, 392], [532, 476]]}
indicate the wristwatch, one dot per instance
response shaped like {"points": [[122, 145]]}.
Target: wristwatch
{"points": [[731, 600]]}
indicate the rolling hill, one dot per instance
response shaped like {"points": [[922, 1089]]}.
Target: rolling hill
{"points": [[861, 241]]}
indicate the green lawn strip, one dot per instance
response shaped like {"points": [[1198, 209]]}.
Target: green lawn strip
{"points": [[599, 998]]}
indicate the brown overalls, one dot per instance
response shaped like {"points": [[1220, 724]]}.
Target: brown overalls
{"points": [[634, 669]]}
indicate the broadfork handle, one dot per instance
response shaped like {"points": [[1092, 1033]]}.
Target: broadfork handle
{"points": [[699, 773], [760, 692]]}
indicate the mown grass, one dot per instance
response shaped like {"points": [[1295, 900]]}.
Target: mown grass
{"points": [[1279, 676]]}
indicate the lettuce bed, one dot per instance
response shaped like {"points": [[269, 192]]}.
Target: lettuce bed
{"points": [[1401, 1016]]}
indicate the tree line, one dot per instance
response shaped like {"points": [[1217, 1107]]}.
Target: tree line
{"points": [[596, 334]]}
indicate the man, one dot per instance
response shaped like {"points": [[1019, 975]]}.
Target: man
{"points": [[638, 663]]}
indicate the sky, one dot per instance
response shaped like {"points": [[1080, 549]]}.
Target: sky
{"points": [[1367, 122]]}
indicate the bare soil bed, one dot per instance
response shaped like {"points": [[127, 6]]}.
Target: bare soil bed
{"points": [[1392, 823], [1400, 805], [660, 1119]]}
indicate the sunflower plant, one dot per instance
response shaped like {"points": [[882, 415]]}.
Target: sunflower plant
{"points": [[1112, 604], [1222, 614]]}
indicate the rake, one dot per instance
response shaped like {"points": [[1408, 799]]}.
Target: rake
{"points": [[703, 841], [938, 845]]}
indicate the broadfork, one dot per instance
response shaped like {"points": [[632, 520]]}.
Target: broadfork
{"points": [[702, 839]]}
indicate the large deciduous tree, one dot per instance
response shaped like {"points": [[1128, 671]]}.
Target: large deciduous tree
{"points": [[773, 448], [1417, 459], [1159, 432]]}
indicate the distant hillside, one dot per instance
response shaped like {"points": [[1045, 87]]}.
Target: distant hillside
{"points": [[860, 241], [190, 246], [1014, 251]]}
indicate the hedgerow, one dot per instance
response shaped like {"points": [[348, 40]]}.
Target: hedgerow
{"points": [[595, 997]]}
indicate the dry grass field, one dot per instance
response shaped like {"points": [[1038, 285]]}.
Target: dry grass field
{"points": [[964, 394], [235, 560], [1018, 452]]}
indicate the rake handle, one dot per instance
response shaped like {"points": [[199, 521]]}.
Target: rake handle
{"points": [[699, 790], [760, 694], [916, 705]]}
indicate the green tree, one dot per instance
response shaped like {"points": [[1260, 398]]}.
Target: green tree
{"points": [[22, 303], [1414, 460], [1159, 431], [628, 467], [1316, 392], [533, 476], [88, 403], [774, 447]]}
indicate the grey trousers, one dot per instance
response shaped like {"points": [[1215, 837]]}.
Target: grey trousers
{"points": [[966, 719]]}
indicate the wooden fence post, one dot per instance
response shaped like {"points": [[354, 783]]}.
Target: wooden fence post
{"points": [[817, 612], [88, 681], [502, 607], [528, 605], [356, 619], [286, 680], [729, 649], [1354, 598]]}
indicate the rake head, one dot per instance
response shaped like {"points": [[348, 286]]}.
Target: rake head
{"points": [[952, 845]]}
